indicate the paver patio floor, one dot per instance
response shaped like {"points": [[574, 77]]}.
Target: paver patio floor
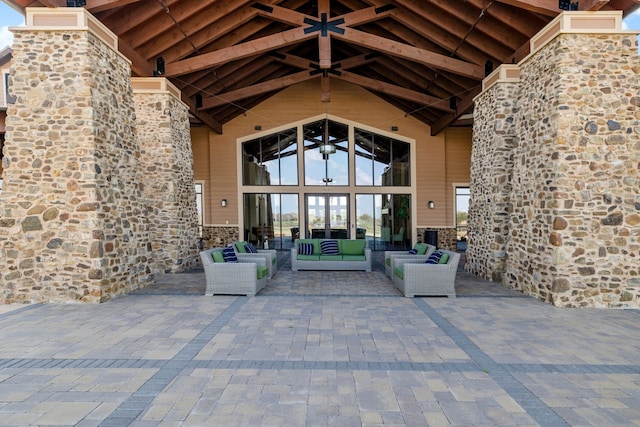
{"points": [[318, 349]]}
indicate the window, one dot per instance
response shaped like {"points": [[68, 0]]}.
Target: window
{"points": [[271, 160], [462, 213], [326, 169], [200, 205], [271, 220], [380, 160]]}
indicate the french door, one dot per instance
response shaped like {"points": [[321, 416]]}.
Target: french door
{"points": [[327, 216]]}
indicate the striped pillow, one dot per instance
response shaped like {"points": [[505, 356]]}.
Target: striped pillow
{"points": [[229, 254], [413, 251], [329, 247], [250, 248], [434, 258], [305, 248]]}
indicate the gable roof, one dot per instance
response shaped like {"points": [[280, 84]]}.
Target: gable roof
{"points": [[426, 57]]}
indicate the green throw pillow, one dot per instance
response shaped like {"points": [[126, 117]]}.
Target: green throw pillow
{"points": [[240, 247], [422, 248], [444, 258], [217, 256]]}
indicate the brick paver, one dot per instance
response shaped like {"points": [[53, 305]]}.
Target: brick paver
{"points": [[318, 348]]}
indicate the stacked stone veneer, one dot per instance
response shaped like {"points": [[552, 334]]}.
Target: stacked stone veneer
{"points": [[166, 165], [495, 140], [573, 237], [79, 213], [447, 236], [219, 236]]}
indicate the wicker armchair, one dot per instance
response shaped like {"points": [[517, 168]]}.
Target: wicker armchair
{"points": [[241, 278], [270, 256], [390, 258], [413, 277]]}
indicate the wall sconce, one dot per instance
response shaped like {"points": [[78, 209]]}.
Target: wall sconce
{"points": [[223, 203], [432, 204]]}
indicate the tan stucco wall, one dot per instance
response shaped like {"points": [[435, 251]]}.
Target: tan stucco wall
{"points": [[216, 158]]}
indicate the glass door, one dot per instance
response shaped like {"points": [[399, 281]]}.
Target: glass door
{"points": [[327, 216]]}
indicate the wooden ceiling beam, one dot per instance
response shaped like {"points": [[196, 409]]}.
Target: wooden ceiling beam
{"points": [[391, 89], [291, 17], [550, 7], [281, 14], [256, 89], [471, 29], [139, 65], [208, 35], [510, 18], [163, 27], [294, 60], [203, 116], [356, 61], [464, 105], [253, 47], [324, 36], [406, 51], [95, 6], [135, 15]]}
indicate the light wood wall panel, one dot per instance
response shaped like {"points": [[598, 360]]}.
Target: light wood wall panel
{"points": [[458, 164]]}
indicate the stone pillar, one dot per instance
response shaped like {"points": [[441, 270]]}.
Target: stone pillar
{"points": [[494, 140], [575, 226], [166, 163], [72, 225]]}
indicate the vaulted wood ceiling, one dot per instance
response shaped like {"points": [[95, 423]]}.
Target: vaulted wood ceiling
{"points": [[426, 57]]}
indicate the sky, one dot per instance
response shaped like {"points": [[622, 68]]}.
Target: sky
{"points": [[10, 18]]}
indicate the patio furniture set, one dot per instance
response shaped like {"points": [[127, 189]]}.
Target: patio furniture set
{"points": [[241, 269]]}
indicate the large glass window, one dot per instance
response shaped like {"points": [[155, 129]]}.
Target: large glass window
{"points": [[271, 220], [462, 213], [380, 160], [200, 205], [384, 220], [326, 153], [271, 160]]}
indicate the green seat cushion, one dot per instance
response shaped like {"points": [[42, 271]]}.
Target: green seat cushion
{"points": [[309, 257], [353, 257], [217, 256], [240, 247], [330, 257], [388, 261], [262, 272], [352, 247], [444, 258], [399, 271], [422, 248]]}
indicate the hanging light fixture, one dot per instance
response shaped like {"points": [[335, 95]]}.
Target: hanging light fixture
{"points": [[326, 147]]}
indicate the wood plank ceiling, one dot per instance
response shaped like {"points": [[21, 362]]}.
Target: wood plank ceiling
{"points": [[426, 57]]}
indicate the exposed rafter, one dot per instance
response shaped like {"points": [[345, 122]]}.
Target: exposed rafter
{"points": [[415, 54]]}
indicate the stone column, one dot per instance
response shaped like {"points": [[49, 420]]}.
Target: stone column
{"points": [[72, 225], [166, 163], [575, 236], [494, 140]]}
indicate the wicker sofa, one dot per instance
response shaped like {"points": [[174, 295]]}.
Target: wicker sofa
{"points": [[353, 255], [270, 256], [390, 257], [246, 277], [413, 277]]}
